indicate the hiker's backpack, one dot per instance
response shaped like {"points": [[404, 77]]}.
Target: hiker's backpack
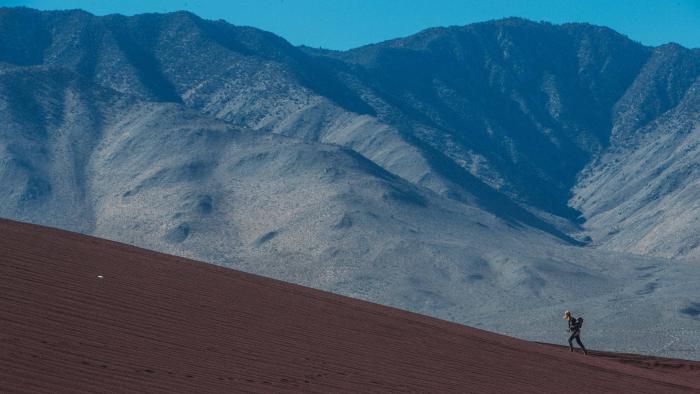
{"points": [[579, 322]]}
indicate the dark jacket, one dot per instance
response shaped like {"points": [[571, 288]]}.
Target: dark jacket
{"points": [[574, 325]]}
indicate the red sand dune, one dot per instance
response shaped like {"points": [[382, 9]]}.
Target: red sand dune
{"points": [[158, 323]]}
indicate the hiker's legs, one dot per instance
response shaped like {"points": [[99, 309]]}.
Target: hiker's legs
{"points": [[576, 336], [578, 340], [571, 338]]}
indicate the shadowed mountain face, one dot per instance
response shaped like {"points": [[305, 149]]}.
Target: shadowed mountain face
{"points": [[522, 105], [451, 172], [642, 196]]}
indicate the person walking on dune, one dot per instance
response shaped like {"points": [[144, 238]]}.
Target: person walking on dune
{"points": [[575, 330]]}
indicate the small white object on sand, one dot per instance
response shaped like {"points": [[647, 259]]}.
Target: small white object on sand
{"points": [[100, 276]]}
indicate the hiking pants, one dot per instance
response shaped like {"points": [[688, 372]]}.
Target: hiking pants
{"points": [[575, 335]]}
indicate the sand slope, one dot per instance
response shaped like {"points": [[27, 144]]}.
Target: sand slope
{"points": [[158, 323]]}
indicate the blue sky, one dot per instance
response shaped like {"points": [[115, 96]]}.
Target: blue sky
{"points": [[342, 24]]}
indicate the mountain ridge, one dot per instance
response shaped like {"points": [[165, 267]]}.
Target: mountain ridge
{"points": [[439, 182]]}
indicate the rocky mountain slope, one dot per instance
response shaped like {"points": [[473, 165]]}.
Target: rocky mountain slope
{"points": [[640, 195], [245, 76], [504, 111]]}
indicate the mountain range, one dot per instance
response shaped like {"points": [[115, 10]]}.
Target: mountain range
{"points": [[500, 170]]}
